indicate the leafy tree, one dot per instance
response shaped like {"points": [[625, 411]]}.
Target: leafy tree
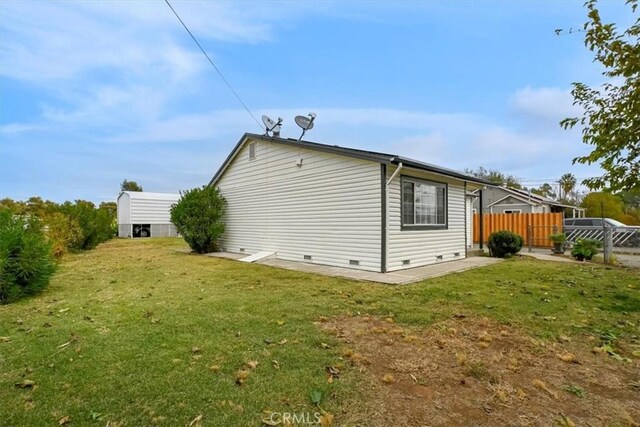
{"points": [[603, 204], [631, 206], [611, 113], [110, 207], [15, 206], [198, 217], [130, 186], [545, 190], [631, 198], [495, 176], [567, 184]]}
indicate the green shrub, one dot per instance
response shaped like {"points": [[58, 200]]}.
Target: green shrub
{"points": [[504, 244], [26, 258], [95, 223], [585, 249], [198, 217]]}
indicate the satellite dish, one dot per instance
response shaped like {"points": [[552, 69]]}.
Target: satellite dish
{"points": [[306, 123], [272, 126]]}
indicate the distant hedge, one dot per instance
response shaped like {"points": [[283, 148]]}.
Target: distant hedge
{"points": [[70, 226], [26, 256], [95, 223]]}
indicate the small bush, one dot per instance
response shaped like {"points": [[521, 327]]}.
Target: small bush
{"points": [[585, 249], [558, 238], [198, 217], [504, 243], [26, 258]]}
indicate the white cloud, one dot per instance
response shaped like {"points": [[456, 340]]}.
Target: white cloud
{"points": [[60, 40], [548, 104], [49, 40]]}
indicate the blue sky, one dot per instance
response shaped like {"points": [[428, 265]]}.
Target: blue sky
{"points": [[95, 92]]}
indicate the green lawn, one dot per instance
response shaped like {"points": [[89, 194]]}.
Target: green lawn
{"points": [[137, 333]]}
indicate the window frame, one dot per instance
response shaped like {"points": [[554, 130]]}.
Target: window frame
{"points": [[415, 180], [511, 211]]}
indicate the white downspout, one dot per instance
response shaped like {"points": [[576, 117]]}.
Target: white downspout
{"points": [[394, 174], [386, 210]]}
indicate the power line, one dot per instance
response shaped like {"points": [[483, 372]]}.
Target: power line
{"points": [[213, 65]]}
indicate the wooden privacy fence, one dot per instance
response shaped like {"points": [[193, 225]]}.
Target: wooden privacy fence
{"points": [[542, 225]]}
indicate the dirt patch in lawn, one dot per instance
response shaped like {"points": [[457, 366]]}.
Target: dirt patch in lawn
{"points": [[474, 371]]}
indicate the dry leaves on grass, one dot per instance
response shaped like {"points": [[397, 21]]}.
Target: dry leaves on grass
{"points": [[512, 381], [242, 376], [25, 384], [543, 386], [64, 420], [332, 372], [388, 378], [567, 357], [196, 421], [326, 419]]}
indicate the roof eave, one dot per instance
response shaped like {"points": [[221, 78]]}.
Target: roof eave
{"points": [[349, 152]]}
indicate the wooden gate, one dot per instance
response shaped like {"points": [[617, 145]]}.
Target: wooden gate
{"points": [[542, 225]]}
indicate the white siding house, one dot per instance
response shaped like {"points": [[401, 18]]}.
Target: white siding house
{"points": [[342, 207], [144, 214]]}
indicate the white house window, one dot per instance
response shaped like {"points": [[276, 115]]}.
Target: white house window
{"points": [[513, 211], [424, 204], [252, 151]]}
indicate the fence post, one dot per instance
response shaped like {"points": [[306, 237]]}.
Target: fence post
{"points": [[608, 244], [530, 237], [555, 228]]}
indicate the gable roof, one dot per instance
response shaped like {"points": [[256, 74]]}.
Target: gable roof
{"points": [[529, 197], [373, 156], [514, 196]]}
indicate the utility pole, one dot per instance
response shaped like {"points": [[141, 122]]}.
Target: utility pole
{"points": [[559, 190]]}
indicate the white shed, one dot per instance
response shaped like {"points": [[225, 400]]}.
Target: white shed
{"points": [[343, 207], [144, 214]]}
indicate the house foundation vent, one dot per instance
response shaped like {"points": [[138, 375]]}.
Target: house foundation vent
{"points": [[241, 249], [439, 258], [354, 262], [307, 257], [456, 254], [406, 262]]}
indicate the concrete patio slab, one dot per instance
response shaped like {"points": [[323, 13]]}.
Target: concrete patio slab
{"points": [[393, 278]]}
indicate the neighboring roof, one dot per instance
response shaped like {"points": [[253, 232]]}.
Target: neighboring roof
{"points": [[349, 152], [530, 197], [146, 195], [513, 196]]}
